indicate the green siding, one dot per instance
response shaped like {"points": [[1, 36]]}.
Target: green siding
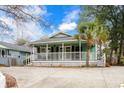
{"points": [[93, 55], [92, 52]]}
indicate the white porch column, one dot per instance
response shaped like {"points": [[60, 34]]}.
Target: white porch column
{"points": [[80, 49], [33, 53], [46, 51], [40, 49], [62, 51], [7, 53], [104, 60], [0, 52], [26, 59]]}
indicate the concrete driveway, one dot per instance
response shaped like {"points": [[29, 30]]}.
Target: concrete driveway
{"points": [[39, 77]]}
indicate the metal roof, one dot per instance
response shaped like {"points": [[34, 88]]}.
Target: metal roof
{"points": [[54, 39], [60, 33], [5, 45]]}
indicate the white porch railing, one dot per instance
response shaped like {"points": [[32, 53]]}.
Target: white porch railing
{"points": [[63, 56]]}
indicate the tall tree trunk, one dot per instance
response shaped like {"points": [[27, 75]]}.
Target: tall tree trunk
{"points": [[116, 53], [120, 50], [88, 57], [111, 53], [116, 50]]}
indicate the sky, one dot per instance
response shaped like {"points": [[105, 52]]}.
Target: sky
{"points": [[62, 18]]}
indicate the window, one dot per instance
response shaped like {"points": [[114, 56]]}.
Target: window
{"points": [[43, 49], [76, 48], [3, 53], [49, 49], [38, 49]]}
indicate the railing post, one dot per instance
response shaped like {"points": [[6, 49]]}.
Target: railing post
{"points": [[96, 58], [62, 51], [80, 49], [104, 60], [46, 51], [33, 53], [25, 59]]}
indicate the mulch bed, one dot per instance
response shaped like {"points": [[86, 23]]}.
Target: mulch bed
{"points": [[1, 65]]}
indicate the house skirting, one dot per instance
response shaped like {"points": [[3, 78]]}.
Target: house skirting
{"points": [[63, 63], [12, 61]]}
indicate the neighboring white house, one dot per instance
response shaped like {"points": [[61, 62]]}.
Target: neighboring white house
{"points": [[12, 54]]}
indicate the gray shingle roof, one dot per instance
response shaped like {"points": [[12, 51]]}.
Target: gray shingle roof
{"points": [[15, 47]]}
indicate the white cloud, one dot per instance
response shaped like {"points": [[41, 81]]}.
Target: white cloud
{"points": [[71, 16], [37, 10], [9, 21], [67, 26], [68, 22], [30, 30]]}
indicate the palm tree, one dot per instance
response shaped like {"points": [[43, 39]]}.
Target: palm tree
{"points": [[101, 36], [87, 32]]}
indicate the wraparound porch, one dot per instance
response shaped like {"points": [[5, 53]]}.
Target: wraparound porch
{"points": [[63, 51]]}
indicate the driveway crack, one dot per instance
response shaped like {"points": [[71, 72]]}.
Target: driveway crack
{"points": [[104, 78]]}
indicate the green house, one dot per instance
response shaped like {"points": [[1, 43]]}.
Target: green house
{"points": [[62, 49]]}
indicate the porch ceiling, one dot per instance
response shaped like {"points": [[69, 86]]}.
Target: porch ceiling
{"points": [[1, 46], [58, 43]]}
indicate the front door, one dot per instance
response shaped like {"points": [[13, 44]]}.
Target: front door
{"points": [[68, 53]]}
